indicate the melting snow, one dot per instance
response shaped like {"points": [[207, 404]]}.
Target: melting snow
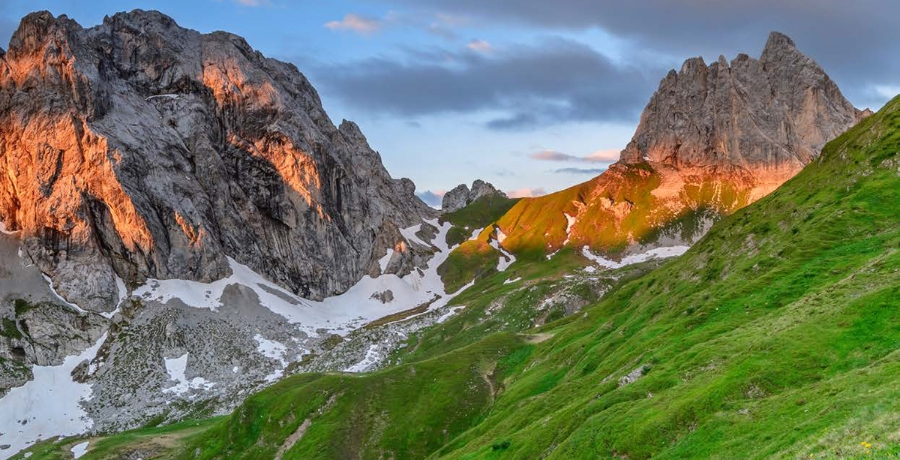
{"points": [[450, 313], [274, 350], [661, 253], [80, 449], [61, 299], [410, 234], [384, 261], [372, 357], [506, 259], [339, 314], [5, 231], [176, 368], [49, 405], [512, 280], [570, 221]]}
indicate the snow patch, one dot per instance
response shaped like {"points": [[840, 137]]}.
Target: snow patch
{"points": [[570, 221], [61, 299], [450, 313], [339, 314], [658, 253], [176, 368], [514, 280], [410, 234], [372, 358], [78, 450], [49, 405], [164, 96], [384, 261], [5, 231]]}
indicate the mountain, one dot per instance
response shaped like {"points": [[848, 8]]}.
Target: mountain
{"points": [[713, 138], [461, 196], [138, 149], [182, 226], [775, 336]]}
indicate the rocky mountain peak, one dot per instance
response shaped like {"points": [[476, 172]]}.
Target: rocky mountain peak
{"points": [[766, 117], [461, 195], [155, 151]]}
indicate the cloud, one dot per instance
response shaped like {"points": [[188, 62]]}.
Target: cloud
{"points": [[430, 198], [555, 81], [526, 193], [600, 156], [355, 23], [480, 46], [854, 41], [604, 156], [552, 155], [592, 171]]}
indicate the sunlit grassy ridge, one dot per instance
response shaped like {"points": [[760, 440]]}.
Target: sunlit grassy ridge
{"points": [[777, 335]]}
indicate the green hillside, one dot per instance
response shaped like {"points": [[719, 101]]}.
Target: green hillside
{"points": [[777, 335]]}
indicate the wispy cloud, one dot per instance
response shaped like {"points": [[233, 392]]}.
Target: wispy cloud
{"points": [[354, 23], [480, 46], [600, 156], [592, 171], [526, 193], [252, 2]]}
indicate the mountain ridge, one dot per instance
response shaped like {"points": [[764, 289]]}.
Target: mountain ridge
{"points": [[711, 140], [172, 149]]}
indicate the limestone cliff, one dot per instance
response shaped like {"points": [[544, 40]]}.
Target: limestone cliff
{"points": [[141, 149]]}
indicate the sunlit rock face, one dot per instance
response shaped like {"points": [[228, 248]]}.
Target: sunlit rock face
{"points": [[712, 139], [142, 149], [764, 118]]}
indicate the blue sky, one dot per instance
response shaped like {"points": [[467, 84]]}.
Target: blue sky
{"points": [[531, 95]]}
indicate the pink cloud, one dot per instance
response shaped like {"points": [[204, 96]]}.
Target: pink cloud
{"points": [[355, 23], [526, 193]]}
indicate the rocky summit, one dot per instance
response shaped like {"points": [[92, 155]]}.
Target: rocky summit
{"points": [[461, 196], [138, 149], [713, 139]]}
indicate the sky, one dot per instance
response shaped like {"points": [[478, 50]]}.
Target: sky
{"points": [[531, 95]]}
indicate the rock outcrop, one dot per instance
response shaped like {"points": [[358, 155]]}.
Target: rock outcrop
{"points": [[713, 138], [766, 117], [139, 149], [461, 196]]}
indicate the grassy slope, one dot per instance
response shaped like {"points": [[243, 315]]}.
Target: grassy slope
{"points": [[775, 336], [473, 259], [778, 334]]}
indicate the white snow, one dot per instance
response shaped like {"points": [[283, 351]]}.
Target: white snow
{"points": [[5, 231], [550, 256], [510, 281], [50, 404], [166, 96], [570, 221], [61, 299], [450, 313], [500, 235], [660, 253], [506, 258], [176, 368], [123, 294], [410, 234], [475, 233], [275, 350], [339, 314], [372, 358], [80, 449], [384, 261]]}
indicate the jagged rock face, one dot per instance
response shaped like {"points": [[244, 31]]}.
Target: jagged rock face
{"points": [[712, 140], [766, 118], [461, 196], [141, 149]]}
